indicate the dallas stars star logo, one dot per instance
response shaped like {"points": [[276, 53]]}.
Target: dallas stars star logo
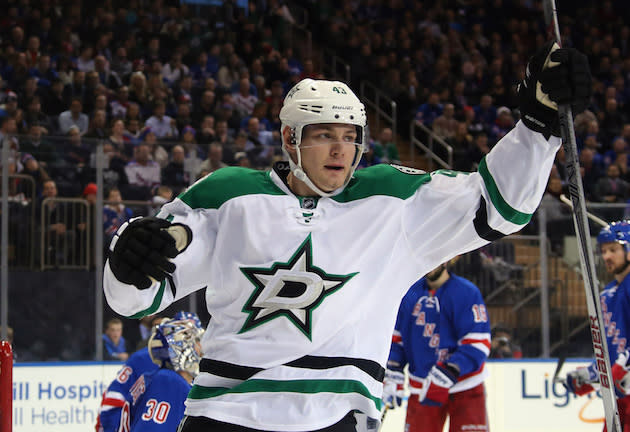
{"points": [[292, 289]]}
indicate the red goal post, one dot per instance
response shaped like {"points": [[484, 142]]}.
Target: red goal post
{"points": [[6, 386]]}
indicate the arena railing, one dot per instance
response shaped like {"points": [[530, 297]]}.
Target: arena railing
{"points": [[384, 106], [428, 136], [334, 67]]}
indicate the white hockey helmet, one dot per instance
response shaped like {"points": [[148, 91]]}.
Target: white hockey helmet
{"points": [[320, 101]]}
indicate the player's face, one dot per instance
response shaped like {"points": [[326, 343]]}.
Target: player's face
{"points": [[614, 257], [328, 151]]}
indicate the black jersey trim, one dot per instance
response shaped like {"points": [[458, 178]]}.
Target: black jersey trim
{"points": [[228, 370], [481, 224], [370, 367], [233, 371]]}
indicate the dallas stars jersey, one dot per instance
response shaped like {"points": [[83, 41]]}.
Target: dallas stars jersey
{"points": [[304, 292], [450, 325]]}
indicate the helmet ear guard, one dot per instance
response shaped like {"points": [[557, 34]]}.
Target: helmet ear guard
{"points": [[316, 102]]}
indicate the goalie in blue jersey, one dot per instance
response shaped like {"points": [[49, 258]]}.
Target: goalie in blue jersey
{"points": [[148, 393]]}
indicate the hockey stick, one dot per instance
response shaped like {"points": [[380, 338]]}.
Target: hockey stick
{"points": [[576, 192], [591, 216], [561, 359], [380, 426]]}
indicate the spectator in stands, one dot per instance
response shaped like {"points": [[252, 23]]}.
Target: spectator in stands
{"points": [[260, 112], [369, 158], [590, 171], [142, 172], [611, 120], [8, 129], [34, 115], [54, 102], [478, 151], [223, 134], [611, 188], [39, 147], [58, 236], [462, 143], [43, 71], [106, 76], [206, 133], [183, 116], [157, 152], [10, 107], [502, 125], [261, 145], [114, 345], [138, 91], [385, 150], [485, 112], [244, 101], [120, 64], [502, 345], [29, 91], [445, 125], [162, 125], [430, 110], [85, 61], [74, 116], [215, 159], [98, 126], [174, 70], [163, 194], [173, 174], [29, 166], [118, 107], [558, 214], [114, 214], [228, 74], [77, 88], [76, 153], [206, 107]]}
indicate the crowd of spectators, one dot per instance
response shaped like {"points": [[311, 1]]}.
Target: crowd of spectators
{"points": [[172, 91], [454, 67]]}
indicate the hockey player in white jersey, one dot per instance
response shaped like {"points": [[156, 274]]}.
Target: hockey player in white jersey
{"points": [[304, 266]]}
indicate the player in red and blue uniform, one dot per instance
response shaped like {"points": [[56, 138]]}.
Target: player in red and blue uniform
{"points": [[613, 243], [443, 333], [139, 364]]}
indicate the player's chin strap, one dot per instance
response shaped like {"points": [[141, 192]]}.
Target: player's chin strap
{"points": [[298, 172]]}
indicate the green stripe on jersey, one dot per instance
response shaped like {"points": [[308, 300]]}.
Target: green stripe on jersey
{"points": [[383, 180], [227, 183], [154, 306], [508, 212], [291, 386]]}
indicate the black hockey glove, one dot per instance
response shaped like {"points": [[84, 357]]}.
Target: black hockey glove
{"points": [[555, 76], [141, 249]]}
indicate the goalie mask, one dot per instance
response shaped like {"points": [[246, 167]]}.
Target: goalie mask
{"points": [[315, 102], [175, 344]]}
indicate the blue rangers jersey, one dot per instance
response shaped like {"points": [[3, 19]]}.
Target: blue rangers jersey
{"points": [[138, 363], [450, 324], [155, 402], [615, 301]]}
